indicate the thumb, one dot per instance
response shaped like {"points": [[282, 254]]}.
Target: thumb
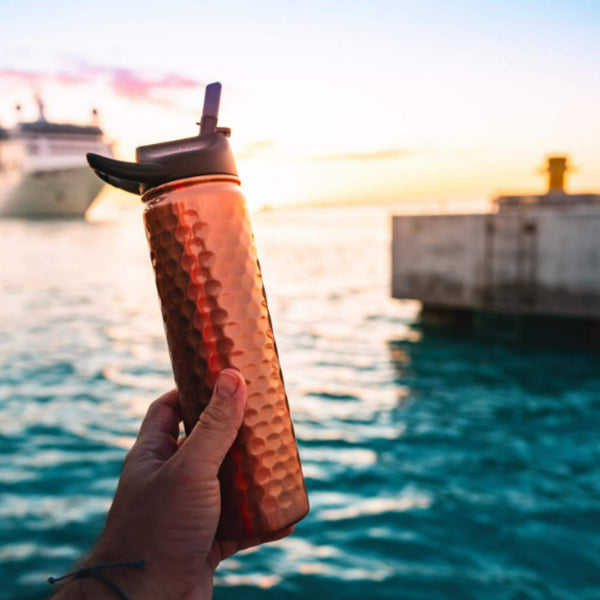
{"points": [[218, 424]]}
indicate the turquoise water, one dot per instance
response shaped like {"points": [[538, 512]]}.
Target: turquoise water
{"points": [[438, 467]]}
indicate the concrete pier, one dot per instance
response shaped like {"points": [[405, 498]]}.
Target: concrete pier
{"points": [[536, 255]]}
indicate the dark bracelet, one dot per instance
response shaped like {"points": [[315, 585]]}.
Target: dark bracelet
{"points": [[91, 571]]}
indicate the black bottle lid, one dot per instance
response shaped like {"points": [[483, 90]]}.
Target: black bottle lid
{"points": [[208, 153]]}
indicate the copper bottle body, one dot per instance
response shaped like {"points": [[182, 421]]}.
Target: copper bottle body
{"points": [[215, 315]]}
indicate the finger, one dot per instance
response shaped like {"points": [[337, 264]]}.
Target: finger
{"points": [[159, 431], [218, 424], [229, 548], [163, 416]]}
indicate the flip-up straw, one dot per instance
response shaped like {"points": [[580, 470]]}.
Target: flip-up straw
{"points": [[210, 112]]}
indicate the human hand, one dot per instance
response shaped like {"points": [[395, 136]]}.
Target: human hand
{"points": [[167, 505]]}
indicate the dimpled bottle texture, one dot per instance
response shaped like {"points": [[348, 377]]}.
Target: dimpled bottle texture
{"points": [[216, 316]]}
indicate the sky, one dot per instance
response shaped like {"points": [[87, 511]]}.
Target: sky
{"points": [[328, 101]]}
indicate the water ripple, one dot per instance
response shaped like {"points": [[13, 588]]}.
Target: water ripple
{"points": [[437, 467]]}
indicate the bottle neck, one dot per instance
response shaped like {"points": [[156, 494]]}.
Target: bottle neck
{"points": [[153, 194]]}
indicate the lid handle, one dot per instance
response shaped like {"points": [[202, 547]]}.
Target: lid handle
{"points": [[126, 175]]}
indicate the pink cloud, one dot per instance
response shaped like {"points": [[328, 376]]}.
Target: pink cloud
{"points": [[126, 83], [24, 76], [130, 84]]}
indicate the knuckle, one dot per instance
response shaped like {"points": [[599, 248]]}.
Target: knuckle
{"points": [[131, 457], [187, 471], [216, 416], [150, 414], [154, 406]]}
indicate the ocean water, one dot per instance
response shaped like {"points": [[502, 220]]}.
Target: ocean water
{"points": [[438, 466]]}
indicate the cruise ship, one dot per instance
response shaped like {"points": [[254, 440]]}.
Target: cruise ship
{"points": [[43, 170]]}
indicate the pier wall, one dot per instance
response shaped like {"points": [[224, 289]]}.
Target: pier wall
{"points": [[537, 262]]}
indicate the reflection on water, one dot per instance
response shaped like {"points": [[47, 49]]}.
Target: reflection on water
{"points": [[507, 440], [437, 467], [376, 506]]}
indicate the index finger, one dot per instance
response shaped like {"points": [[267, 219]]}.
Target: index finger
{"points": [[163, 416]]}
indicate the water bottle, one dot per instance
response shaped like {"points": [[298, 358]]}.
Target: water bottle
{"points": [[215, 314]]}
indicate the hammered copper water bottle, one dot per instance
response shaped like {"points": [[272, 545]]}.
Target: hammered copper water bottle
{"points": [[215, 314]]}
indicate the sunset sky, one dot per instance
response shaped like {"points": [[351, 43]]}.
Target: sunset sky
{"points": [[329, 101]]}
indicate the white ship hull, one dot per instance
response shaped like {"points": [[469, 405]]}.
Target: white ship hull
{"points": [[60, 193], [43, 170]]}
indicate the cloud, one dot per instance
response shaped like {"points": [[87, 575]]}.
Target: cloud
{"points": [[131, 84], [255, 149], [126, 83], [377, 155], [264, 147], [25, 76]]}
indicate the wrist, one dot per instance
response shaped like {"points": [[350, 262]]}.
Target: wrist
{"points": [[155, 580], [97, 578], [85, 587], [124, 571]]}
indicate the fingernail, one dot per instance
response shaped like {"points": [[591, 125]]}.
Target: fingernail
{"points": [[227, 385]]}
